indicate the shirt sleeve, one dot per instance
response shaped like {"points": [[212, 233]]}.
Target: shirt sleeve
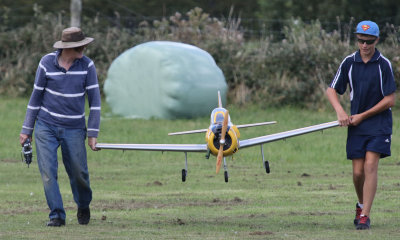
{"points": [[341, 79], [35, 101], [93, 93], [387, 79]]}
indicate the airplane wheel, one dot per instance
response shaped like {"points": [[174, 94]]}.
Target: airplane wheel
{"points": [[183, 175], [267, 169], [226, 176]]}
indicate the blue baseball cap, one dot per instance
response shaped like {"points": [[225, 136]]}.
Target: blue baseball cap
{"points": [[368, 28]]}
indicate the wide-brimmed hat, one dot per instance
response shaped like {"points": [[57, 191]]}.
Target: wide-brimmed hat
{"points": [[368, 28], [71, 38]]}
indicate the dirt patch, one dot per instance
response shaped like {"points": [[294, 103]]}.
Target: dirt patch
{"points": [[180, 221], [319, 213], [132, 204], [9, 160], [259, 233], [291, 213], [19, 208], [255, 216], [30, 210], [155, 183]]}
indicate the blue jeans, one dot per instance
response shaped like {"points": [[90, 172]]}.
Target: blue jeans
{"points": [[72, 141]]}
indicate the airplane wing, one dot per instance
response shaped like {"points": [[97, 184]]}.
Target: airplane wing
{"points": [[282, 135], [155, 147], [203, 147]]}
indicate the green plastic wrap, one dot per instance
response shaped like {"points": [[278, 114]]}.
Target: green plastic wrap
{"points": [[163, 79]]}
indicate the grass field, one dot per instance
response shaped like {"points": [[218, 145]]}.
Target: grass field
{"points": [[139, 195]]}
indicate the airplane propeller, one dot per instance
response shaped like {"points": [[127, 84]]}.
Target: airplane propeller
{"points": [[222, 141]]}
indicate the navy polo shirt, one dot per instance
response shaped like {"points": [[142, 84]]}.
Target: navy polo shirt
{"points": [[369, 83]]}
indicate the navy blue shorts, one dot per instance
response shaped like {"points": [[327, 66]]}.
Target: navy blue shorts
{"points": [[358, 145]]}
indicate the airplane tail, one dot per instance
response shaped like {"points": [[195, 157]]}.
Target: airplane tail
{"points": [[219, 100]]}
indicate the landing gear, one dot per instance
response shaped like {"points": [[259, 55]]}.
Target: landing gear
{"points": [[265, 163], [226, 176], [184, 172], [208, 154], [266, 166]]}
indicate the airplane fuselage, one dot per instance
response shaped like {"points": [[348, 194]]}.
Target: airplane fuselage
{"points": [[214, 131]]}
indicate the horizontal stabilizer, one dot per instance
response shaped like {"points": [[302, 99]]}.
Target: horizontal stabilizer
{"points": [[255, 124], [205, 130], [188, 132]]}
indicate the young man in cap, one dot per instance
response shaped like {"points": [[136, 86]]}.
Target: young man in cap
{"points": [[56, 110], [371, 82]]}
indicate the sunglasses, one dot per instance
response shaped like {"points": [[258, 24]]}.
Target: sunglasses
{"points": [[368, 42]]}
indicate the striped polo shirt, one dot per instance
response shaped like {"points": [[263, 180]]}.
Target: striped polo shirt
{"points": [[58, 96], [369, 83]]}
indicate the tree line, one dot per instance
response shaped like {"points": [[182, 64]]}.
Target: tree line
{"points": [[293, 71], [261, 16]]}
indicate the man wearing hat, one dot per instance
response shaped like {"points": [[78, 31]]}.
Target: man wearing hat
{"points": [[56, 110], [371, 84]]}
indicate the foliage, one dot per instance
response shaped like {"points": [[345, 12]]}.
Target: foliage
{"points": [[298, 69], [36, 38], [21, 50], [291, 71], [258, 16], [130, 12], [379, 11]]}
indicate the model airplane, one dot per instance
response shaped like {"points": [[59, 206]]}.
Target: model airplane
{"points": [[222, 139]]}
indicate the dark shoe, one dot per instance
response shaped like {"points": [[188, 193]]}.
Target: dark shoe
{"points": [[83, 215], [364, 223], [358, 213], [56, 222]]}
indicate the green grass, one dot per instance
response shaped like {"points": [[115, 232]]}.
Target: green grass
{"points": [[139, 195]]}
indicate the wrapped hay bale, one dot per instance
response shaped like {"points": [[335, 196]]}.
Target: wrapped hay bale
{"points": [[163, 79]]}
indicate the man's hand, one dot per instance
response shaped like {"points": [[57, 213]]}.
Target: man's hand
{"points": [[23, 137], [343, 118], [386, 103], [92, 141], [356, 119]]}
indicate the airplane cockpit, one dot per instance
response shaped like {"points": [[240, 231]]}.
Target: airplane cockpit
{"points": [[217, 119], [217, 116]]}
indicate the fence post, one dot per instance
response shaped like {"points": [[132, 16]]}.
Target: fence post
{"points": [[76, 9]]}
